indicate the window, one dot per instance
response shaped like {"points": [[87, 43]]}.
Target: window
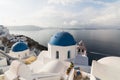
{"points": [[57, 54], [68, 56]]}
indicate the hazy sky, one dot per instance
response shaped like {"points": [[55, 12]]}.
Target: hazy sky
{"points": [[68, 13]]}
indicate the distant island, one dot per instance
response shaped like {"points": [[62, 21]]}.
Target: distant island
{"points": [[25, 28], [37, 28]]}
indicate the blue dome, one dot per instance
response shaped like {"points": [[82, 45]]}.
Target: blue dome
{"points": [[62, 39], [19, 46]]}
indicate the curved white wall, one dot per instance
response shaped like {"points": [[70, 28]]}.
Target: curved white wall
{"points": [[20, 54], [3, 62]]}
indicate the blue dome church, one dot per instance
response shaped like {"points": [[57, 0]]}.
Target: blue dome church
{"points": [[19, 46], [62, 46], [62, 49], [19, 50]]}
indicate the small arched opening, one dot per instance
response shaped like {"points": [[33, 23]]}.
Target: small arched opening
{"points": [[57, 54], [69, 55]]}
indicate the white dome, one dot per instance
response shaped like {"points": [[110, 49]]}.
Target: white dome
{"points": [[110, 61], [107, 68], [55, 66]]}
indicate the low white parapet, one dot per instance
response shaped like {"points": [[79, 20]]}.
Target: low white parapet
{"points": [[3, 69], [3, 62], [47, 76]]}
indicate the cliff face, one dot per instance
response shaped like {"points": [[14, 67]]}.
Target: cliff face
{"points": [[34, 44]]}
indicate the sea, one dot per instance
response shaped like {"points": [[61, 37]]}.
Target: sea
{"points": [[99, 43]]}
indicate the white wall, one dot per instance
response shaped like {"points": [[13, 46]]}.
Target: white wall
{"points": [[3, 62], [71, 75], [16, 69], [20, 54], [4, 68], [25, 72], [63, 51], [92, 77], [105, 72], [81, 60], [50, 76]]}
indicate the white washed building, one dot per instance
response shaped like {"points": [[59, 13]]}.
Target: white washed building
{"points": [[19, 50], [51, 64], [4, 32]]}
